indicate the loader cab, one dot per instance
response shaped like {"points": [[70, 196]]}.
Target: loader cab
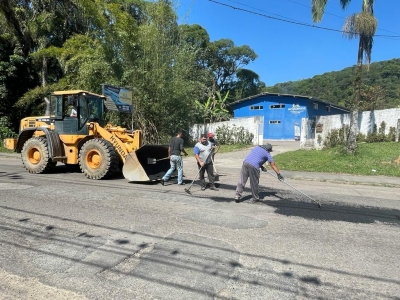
{"points": [[72, 110]]}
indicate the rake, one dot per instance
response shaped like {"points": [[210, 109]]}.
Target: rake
{"points": [[319, 204]]}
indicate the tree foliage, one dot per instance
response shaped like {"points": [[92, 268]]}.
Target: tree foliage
{"points": [[214, 109], [362, 26], [49, 45], [337, 87]]}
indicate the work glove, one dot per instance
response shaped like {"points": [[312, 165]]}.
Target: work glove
{"points": [[264, 169], [280, 177]]}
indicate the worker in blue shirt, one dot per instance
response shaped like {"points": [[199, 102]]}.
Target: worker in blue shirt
{"points": [[252, 164]]}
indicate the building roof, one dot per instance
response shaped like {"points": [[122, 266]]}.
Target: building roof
{"points": [[294, 96], [76, 92]]}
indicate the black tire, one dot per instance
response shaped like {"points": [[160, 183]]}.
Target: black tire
{"points": [[98, 159], [36, 156]]}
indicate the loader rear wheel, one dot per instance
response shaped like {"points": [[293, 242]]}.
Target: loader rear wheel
{"points": [[36, 156], [98, 159]]}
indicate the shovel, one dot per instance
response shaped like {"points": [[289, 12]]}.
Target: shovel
{"points": [[153, 161]]}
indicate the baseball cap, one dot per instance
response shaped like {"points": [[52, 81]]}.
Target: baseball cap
{"points": [[267, 147], [210, 134]]}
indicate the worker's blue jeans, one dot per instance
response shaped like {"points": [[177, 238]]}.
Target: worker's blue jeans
{"points": [[176, 162]]}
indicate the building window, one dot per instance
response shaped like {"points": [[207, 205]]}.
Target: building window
{"points": [[280, 105], [274, 122], [256, 107], [315, 105], [328, 108]]}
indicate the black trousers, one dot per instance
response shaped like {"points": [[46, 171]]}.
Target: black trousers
{"points": [[210, 173]]}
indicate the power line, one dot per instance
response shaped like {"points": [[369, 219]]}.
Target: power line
{"points": [[261, 10], [296, 22]]}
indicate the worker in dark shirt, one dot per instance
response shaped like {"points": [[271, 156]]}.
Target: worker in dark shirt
{"points": [[174, 153]]}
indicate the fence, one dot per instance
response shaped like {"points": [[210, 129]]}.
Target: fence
{"points": [[254, 125], [313, 132]]}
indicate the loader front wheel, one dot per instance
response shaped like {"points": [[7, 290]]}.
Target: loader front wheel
{"points": [[98, 159], [36, 157]]}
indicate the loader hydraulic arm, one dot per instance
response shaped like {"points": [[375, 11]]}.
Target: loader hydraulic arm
{"points": [[122, 141]]}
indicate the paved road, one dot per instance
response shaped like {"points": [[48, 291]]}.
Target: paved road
{"points": [[66, 237]]}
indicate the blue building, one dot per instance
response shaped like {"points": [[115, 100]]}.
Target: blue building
{"points": [[283, 113]]}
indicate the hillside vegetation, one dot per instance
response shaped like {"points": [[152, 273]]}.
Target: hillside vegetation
{"points": [[337, 87]]}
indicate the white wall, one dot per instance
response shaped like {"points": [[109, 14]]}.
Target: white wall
{"points": [[366, 121], [254, 125]]}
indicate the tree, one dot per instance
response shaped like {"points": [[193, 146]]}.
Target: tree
{"points": [[214, 109], [166, 75], [372, 98], [194, 35], [363, 26], [224, 59], [247, 84]]}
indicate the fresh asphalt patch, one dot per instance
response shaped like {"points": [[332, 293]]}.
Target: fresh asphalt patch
{"points": [[292, 205], [334, 211]]}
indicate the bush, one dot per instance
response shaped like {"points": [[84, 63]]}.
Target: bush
{"points": [[339, 136], [361, 137], [391, 137], [375, 138], [377, 135], [5, 131], [234, 135]]}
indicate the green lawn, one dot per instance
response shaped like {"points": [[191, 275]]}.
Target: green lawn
{"points": [[370, 159]]}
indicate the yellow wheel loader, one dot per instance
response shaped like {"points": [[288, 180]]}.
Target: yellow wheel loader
{"points": [[73, 132]]}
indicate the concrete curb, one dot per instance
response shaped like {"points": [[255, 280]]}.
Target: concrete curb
{"points": [[10, 155], [350, 182], [345, 178]]}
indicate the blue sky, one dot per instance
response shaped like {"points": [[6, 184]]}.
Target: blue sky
{"points": [[288, 52]]}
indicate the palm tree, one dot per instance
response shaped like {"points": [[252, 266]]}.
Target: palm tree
{"points": [[363, 26]]}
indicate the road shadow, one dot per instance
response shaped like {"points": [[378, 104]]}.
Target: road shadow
{"points": [[176, 257], [290, 204], [334, 211]]}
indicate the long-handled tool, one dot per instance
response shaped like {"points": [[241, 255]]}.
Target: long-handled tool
{"points": [[216, 175], [187, 190], [319, 204], [152, 161]]}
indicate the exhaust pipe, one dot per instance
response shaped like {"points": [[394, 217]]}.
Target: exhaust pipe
{"points": [[48, 108]]}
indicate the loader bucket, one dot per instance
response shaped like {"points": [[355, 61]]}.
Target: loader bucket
{"points": [[137, 167]]}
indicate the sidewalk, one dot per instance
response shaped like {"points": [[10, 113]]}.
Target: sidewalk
{"points": [[344, 178], [228, 161]]}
